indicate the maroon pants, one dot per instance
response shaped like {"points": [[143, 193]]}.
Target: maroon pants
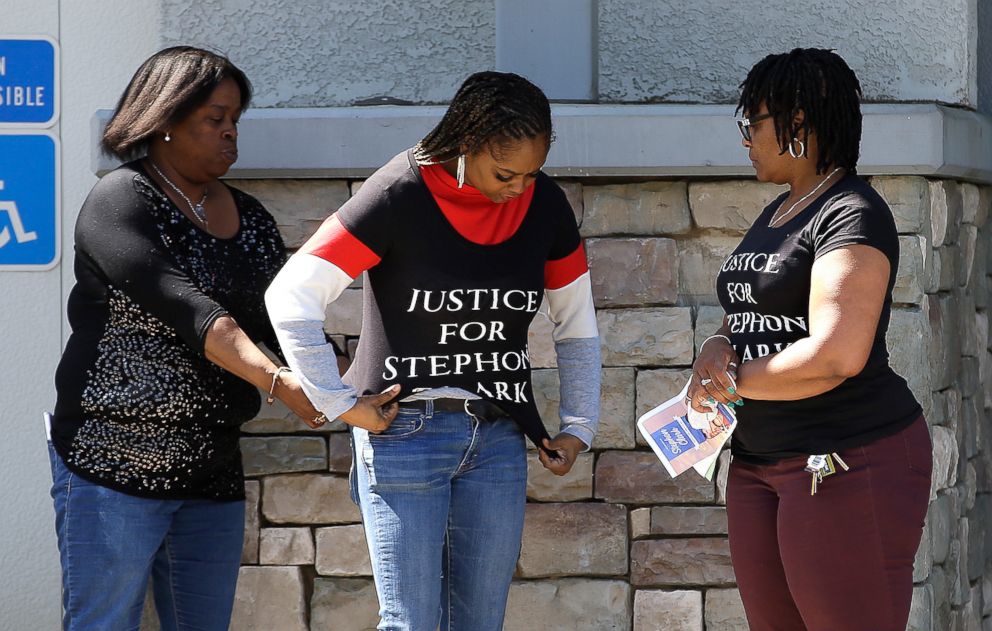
{"points": [[840, 560]]}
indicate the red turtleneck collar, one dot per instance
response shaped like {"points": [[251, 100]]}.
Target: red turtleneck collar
{"points": [[472, 214]]}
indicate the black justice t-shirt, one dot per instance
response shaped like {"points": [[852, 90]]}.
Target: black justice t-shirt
{"points": [[764, 289], [440, 310]]}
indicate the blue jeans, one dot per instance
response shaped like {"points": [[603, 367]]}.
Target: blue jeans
{"points": [[442, 497], [111, 542]]}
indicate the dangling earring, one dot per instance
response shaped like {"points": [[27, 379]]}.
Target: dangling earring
{"points": [[802, 149], [461, 170], [168, 138]]}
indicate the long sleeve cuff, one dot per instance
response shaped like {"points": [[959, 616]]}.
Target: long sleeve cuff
{"points": [[296, 301], [316, 366], [579, 373]]}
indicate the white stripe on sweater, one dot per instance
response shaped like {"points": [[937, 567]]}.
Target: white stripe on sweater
{"points": [[296, 301], [571, 310]]}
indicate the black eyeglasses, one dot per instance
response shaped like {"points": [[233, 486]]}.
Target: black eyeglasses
{"points": [[744, 125]]}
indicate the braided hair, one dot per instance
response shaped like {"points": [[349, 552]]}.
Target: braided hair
{"points": [[489, 108], [820, 84]]}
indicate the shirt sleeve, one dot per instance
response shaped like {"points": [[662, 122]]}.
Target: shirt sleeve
{"points": [[116, 234], [568, 289], [296, 301], [359, 234], [853, 220], [579, 372], [567, 283], [350, 241]]}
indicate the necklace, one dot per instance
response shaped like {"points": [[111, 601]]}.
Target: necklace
{"points": [[198, 210], [776, 216]]}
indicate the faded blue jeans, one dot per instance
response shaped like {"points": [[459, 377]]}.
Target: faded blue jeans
{"points": [[111, 542], [442, 497]]}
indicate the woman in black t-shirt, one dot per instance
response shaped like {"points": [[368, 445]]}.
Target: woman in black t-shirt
{"points": [[830, 477], [161, 368]]}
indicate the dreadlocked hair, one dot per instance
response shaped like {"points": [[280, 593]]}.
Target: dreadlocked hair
{"points": [[490, 108], [821, 85]]}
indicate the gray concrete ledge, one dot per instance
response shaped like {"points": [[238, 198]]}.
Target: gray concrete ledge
{"points": [[600, 140]]}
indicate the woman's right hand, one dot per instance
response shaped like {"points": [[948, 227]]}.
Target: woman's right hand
{"points": [[372, 413], [714, 375]]}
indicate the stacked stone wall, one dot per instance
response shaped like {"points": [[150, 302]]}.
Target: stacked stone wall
{"points": [[617, 544]]}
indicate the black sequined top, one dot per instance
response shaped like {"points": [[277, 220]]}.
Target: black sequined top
{"points": [[140, 409]]}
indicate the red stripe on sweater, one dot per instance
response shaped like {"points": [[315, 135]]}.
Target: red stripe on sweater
{"points": [[333, 243], [565, 270]]}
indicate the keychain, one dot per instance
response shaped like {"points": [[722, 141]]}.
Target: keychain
{"points": [[821, 466]]}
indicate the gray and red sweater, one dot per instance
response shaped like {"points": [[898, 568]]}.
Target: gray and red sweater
{"points": [[453, 283]]}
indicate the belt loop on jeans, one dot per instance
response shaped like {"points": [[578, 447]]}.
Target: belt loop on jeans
{"points": [[479, 408]]}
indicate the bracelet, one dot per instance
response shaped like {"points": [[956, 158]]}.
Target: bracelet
{"points": [[714, 337], [275, 377]]}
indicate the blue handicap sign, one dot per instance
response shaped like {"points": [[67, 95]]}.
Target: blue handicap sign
{"points": [[28, 81], [29, 202]]}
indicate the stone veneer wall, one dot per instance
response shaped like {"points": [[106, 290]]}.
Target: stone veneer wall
{"points": [[617, 544]]}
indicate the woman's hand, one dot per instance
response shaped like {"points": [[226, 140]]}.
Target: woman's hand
{"points": [[716, 428], [289, 391], [567, 448], [714, 376], [371, 412]]}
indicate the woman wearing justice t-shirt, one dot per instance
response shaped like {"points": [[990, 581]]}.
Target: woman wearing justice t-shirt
{"points": [[460, 237], [830, 477]]}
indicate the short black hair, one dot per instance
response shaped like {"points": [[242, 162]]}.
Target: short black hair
{"points": [[489, 108], [165, 89], [821, 84]]}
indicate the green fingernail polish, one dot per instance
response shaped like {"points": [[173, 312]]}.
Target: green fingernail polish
{"points": [[740, 402], [711, 400], [731, 391]]}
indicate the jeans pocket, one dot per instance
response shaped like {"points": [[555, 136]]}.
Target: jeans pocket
{"points": [[919, 448], [53, 460], [58, 470], [62, 477], [404, 425], [352, 473]]}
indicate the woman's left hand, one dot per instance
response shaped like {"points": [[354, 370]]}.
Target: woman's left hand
{"points": [[714, 376], [289, 391], [567, 448]]}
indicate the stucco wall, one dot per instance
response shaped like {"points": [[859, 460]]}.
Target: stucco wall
{"points": [[984, 53], [313, 53], [699, 52], [305, 53]]}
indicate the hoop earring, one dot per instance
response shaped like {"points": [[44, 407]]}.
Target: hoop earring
{"points": [[461, 170], [802, 149], [168, 138]]}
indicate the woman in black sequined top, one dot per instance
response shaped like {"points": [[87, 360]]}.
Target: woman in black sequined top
{"points": [[162, 366]]}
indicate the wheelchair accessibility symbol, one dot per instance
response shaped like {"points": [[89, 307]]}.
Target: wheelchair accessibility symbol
{"points": [[29, 201], [20, 233]]}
